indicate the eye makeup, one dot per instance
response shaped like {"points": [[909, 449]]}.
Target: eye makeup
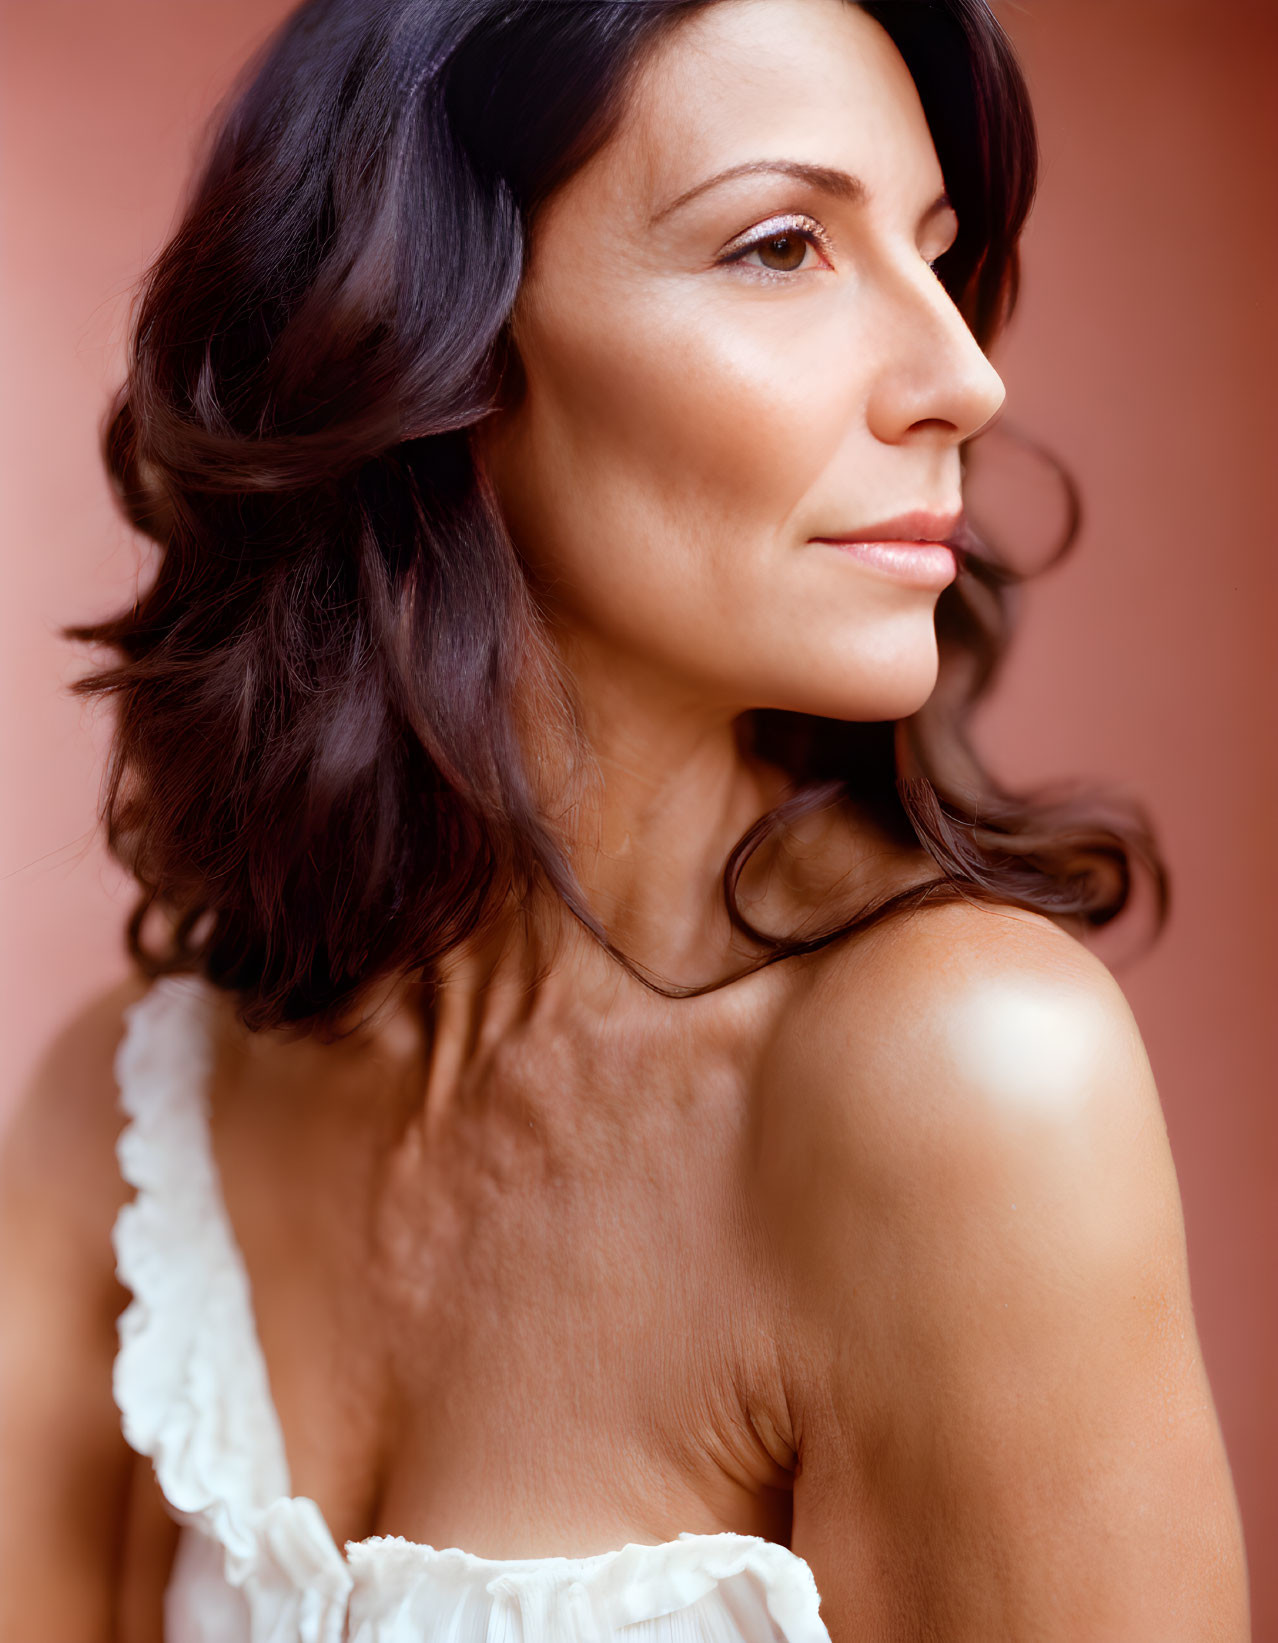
{"points": [[788, 226], [794, 225]]}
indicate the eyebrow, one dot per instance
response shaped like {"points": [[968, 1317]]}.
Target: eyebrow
{"points": [[829, 179]]}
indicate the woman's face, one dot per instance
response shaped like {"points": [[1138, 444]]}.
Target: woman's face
{"points": [[700, 410]]}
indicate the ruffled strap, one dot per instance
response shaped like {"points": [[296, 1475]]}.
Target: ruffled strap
{"points": [[189, 1377]]}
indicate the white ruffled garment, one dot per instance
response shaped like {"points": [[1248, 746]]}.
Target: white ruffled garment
{"points": [[256, 1564]]}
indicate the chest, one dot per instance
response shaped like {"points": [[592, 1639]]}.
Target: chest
{"points": [[524, 1310]]}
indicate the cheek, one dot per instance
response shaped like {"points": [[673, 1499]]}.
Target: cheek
{"points": [[661, 461]]}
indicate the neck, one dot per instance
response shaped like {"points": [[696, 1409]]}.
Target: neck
{"points": [[647, 838], [664, 785], [670, 784]]}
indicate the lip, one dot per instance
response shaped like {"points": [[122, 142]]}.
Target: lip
{"points": [[920, 526], [921, 549]]}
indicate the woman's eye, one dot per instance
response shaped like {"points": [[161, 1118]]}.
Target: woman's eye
{"points": [[781, 250], [782, 253]]}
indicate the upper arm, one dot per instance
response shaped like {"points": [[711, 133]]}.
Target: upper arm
{"points": [[64, 1465], [1005, 1429]]}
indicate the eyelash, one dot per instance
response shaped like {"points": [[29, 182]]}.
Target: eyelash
{"points": [[777, 227], [806, 227]]}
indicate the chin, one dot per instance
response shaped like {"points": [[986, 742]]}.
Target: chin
{"points": [[892, 688]]}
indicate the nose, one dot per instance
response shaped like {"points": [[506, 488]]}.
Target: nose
{"points": [[935, 382]]}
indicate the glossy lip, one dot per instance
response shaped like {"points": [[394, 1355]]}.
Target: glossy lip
{"points": [[920, 528]]}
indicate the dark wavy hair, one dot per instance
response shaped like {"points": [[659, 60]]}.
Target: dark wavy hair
{"points": [[318, 775]]}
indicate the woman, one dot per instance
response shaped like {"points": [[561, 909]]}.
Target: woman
{"points": [[552, 419]]}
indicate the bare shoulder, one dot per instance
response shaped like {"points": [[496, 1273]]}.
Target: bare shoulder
{"points": [[997, 1385], [969, 1065], [68, 1480], [57, 1146], [959, 1026]]}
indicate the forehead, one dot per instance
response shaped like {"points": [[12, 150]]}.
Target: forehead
{"points": [[815, 80]]}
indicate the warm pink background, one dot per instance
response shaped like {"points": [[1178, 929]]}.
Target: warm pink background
{"points": [[1144, 353]]}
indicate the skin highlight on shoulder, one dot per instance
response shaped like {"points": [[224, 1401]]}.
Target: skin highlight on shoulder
{"points": [[995, 1370], [1026, 1044], [956, 1048]]}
